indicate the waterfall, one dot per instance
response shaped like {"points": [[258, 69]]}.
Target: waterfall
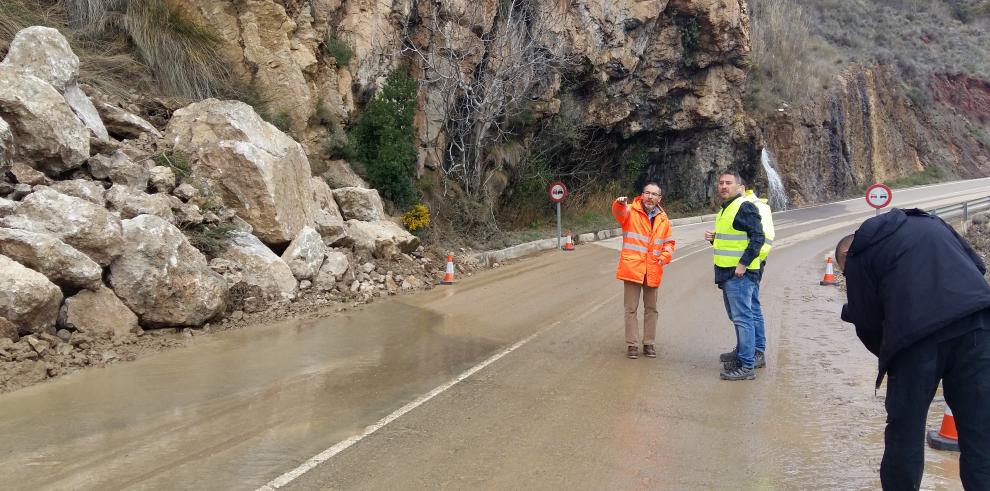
{"points": [[776, 193]]}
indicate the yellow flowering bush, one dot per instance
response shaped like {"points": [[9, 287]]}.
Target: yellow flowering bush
{"points": [[417, 218]]}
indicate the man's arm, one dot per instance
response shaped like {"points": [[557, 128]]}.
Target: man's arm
{"points": [[865, 309], [620, 210]]}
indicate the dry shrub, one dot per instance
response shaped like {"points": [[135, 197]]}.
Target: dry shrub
{"points": [[789, 63], [183, 56]]}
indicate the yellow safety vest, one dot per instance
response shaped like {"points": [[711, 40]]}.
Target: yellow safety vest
{"points": [[731, 243], [766, 218]]}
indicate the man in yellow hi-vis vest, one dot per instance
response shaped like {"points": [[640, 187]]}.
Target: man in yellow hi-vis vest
{"points": [[737, 240]]}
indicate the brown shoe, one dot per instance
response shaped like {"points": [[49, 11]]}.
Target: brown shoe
{"points": [[649, 351], [632, 352]]}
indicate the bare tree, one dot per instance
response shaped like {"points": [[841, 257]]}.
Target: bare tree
{"points": [[479, 71]]}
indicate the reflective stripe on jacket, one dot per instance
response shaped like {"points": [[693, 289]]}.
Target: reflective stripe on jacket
{"points": [[730, 243], [766, 217], [645, 248]]}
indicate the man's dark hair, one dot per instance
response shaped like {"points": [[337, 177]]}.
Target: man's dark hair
{"points": [[733, 173], [652, 183]]}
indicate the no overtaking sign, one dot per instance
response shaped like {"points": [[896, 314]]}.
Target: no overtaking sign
{"points": [[558, 192], [878, 196]]}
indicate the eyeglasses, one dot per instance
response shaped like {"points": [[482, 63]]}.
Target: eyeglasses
{"points": [[648, 193]]}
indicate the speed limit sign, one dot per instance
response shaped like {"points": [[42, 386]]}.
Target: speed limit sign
{"points": [[558, 192], [878, 196]]}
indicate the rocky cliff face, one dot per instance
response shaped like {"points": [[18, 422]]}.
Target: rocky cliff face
{"points": [[865, 130]]}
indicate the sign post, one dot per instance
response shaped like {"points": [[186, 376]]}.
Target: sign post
{"points": [[558, 193], [878, 196]]}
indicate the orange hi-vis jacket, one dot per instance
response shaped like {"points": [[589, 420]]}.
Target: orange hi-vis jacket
{"points": [[645, 248]]}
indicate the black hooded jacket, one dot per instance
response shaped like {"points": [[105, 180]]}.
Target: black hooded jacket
{"points": [[909, 276]]}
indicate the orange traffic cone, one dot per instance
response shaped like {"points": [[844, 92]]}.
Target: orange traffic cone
{"points": [[946, 437], [829, 278], [448, 274], [568, 245]]}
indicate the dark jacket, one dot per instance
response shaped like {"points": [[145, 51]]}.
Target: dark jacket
{"points": [[909, 275], [747, 220]]}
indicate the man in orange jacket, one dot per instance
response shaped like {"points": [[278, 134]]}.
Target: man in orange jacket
{"points": [[646, 248]]}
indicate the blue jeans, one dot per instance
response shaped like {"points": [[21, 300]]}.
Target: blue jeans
{"points": [[738, 295], [758, 323]]}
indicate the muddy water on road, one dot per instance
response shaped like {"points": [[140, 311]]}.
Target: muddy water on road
{"points": [[826, 422]]}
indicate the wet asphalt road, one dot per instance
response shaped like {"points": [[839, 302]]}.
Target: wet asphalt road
{"points": [[563, 409]]}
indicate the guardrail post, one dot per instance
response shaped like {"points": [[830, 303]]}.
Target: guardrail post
{"points": [[965, 216]]}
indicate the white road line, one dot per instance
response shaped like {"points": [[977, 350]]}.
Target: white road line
{"points": [[329, 453], [344, 445]]}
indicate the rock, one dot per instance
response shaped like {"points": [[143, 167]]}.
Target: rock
{"points": [[8, 330], [59, 262], [330, 227], [100, 314], [44, 53], [379, 235], [391, 285], [130, 202], [28, 373], [367, 268], [333, 268], [119, 169], [7, 207], [339, 174], [188, 214], [412, 283], [91, 191], [77, 222], [305, 254], [162, 179], [185, 191], [123, 125], [359, 204], [64, 335], [162, 278], [6, 146], [27, 298], [46, 133], [305, 284], [259, 172], [38, 345], [21, 191], [323, 199], [259, 266], [24, 174], [80, 104]]}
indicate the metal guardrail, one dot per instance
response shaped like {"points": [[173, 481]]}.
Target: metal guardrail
{"points": [[962, 210]]}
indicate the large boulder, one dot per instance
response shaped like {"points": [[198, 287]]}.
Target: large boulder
{"points": [[118, 168], [162, 278], [77, 222], [8, 330], [91, 191], [99, 313], [47, 134], [305, 254], [7, 207], [326, 214], [359, 204], [131, 202], [323, 199], [256, 265], [46, 254], [44, 53], [382, 238], [259, 172], [27, 298]]}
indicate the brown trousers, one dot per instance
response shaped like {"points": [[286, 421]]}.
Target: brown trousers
{"points": [[631, 294]]}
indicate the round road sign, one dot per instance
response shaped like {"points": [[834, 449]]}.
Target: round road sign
{"points": [[878, 196], [558, 192]]}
